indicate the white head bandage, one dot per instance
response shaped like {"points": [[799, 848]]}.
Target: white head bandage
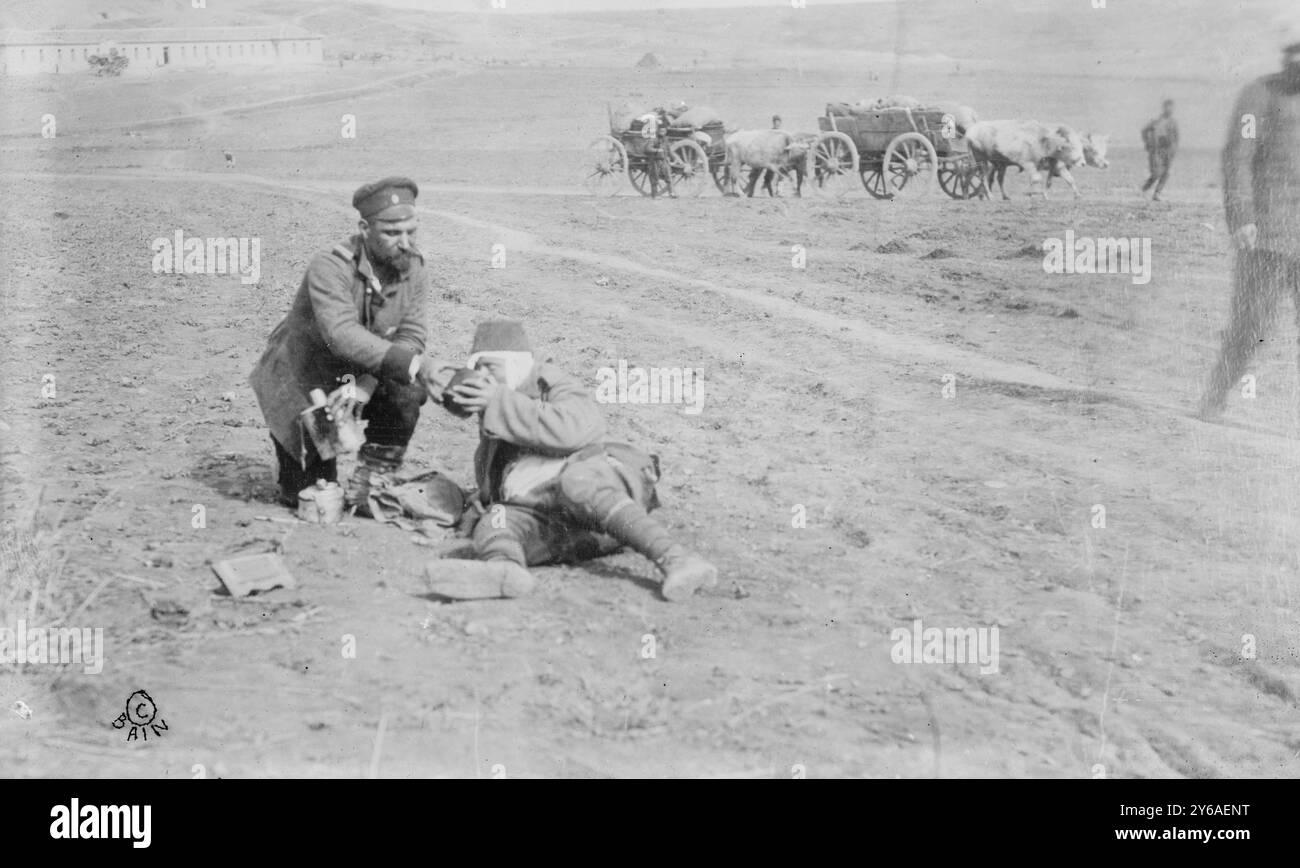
{"points": [[518, 364]]}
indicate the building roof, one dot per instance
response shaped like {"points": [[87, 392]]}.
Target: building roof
{"points": [[141, 35]]}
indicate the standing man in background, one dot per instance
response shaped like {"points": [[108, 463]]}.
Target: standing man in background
{"points": [[1161, 139], [654, 128], [1261, 198]]}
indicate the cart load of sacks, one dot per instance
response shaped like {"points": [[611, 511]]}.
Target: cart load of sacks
{"points": [[628, 117], [866, 110]]}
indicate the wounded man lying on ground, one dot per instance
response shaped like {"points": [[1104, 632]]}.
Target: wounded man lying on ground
{"points": [[550, 490]]}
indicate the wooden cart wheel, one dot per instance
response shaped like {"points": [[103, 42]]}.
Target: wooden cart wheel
{"points": [[960, 179], [606, 165], [638, 172], [910, 159], [690, 168], [719, 172], [834, 160], [873, 179]]}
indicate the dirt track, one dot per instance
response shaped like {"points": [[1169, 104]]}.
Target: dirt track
{"points": [[1119, 646]]}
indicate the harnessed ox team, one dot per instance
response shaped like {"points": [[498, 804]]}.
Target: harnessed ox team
{"points": [[773, 152], [1032, 147]]}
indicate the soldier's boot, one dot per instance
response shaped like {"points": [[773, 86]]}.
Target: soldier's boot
{"points": [[625, 520], [373, 461], [477, 580]]}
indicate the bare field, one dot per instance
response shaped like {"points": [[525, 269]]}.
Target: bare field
{"points": [[973, 506]]}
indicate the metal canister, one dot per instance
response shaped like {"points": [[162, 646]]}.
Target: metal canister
{"points": [[322, 503]]}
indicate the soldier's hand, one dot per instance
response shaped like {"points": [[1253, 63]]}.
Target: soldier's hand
{"points": [[350, 398], [475, 395], [1246, 237], [434, 376]]}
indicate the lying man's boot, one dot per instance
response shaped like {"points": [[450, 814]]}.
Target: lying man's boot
{"points": [[628, 522], [477, 580], [685, 572]]}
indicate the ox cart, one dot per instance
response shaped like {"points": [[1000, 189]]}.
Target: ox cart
{"points": [[694, 155], [893, 148]]}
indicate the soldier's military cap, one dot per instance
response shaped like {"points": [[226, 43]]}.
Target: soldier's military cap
{"points": [[389, 199]]}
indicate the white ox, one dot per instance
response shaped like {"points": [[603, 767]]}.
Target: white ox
{"points": [[799, 166], [1094, 147], [1091, 146], [995, 145], [774, 151]]}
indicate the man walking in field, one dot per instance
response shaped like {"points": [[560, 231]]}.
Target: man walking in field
{"points": [[356, 331], [1160, 137], [1261, 195]]}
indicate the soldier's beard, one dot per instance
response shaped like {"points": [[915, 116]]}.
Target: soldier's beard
{"points": [[397, 262]]}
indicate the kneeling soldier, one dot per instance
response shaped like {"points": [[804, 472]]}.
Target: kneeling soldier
{"points": [[356, 330]]}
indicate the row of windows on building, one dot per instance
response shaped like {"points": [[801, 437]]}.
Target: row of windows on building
{"points": [[148, 51]]}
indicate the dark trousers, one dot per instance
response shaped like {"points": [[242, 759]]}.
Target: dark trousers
{"points": [[1261, 278], [659, 170], [392, 414], [564, 523], [1158, 161]]}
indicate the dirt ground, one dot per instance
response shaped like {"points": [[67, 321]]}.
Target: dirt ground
{"points": [[945, 414]]}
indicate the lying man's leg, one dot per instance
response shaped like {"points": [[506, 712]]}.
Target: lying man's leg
{"points": [[506, 540], [594, 491]]}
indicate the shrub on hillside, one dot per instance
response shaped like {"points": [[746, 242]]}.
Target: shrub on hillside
{"points": [[108, 64]]}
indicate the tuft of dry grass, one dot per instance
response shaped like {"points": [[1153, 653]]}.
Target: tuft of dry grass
{"points": [[32, 563]]}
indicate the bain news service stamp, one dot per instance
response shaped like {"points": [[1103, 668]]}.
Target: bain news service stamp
{"points": [[142, 714]]}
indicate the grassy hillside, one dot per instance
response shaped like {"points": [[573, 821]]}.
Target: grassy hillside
{"points": [[1195, 39], [1058, 60]]}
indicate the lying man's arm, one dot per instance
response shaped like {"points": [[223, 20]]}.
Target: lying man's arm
{"points": [[561, 422]]}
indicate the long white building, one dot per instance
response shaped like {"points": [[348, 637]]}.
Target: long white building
{"points": [[33, 52]]}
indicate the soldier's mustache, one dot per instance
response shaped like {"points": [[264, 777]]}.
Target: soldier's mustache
{"points": [[396, 259]]}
